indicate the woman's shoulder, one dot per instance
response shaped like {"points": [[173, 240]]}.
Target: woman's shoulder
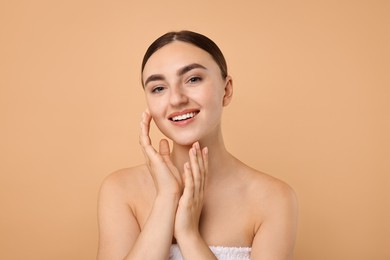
{"points": [[127, 181], [128, 175], [267, 198], [267, 189]]}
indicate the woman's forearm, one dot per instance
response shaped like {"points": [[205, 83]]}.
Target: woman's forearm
{"points": [[194, 247], [155, 238]]}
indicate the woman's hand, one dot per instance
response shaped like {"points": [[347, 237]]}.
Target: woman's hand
{"points": [[166, 176], [191, 202]]}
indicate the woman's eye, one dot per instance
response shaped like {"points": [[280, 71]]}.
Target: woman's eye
{"points": [[157, 89], [194, 79]]}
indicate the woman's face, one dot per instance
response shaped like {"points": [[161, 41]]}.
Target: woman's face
{"points": [[185, 92]]}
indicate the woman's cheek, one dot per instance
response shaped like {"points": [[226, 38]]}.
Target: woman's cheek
{"points": [[161, 124]]}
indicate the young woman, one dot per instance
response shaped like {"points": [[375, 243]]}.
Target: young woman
{"points": [[196, 201]]}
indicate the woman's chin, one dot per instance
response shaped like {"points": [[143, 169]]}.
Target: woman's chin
{"points": [[187, 142], [183, 140]]}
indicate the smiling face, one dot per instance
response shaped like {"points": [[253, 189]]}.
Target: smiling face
{"points": [[185, 92]]}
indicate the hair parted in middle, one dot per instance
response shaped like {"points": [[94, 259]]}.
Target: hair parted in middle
{"points": [[193, 38]]}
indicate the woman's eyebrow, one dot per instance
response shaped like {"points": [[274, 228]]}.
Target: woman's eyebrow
{"points": [[180, 72], [154, 77], [189, 67]]}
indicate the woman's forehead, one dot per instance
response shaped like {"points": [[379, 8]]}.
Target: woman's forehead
{"points": [[175, 55]]}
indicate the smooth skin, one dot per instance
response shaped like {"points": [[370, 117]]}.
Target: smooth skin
{"points": [[198, 194]]}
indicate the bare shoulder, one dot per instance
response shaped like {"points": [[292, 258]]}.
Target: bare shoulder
{"points": [[124, 177], [275, 195], [117, 215], [275, 215], [126, 183]]}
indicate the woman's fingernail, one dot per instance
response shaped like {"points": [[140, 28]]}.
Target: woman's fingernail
{"points": [[206, 150], [193, 151]]}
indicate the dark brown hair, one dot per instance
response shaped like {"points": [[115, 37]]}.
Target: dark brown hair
{"points": [[193, 38]]}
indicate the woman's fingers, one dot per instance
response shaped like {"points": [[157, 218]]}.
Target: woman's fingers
{"points": [[191, 203], [202, 157], [199, 158], [165, 153], [164, 150], [144, 138], [188, 192], [146, 118], [205, 156], [197, 169]]}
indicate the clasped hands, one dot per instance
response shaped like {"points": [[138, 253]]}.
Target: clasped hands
{"points": [[187, 183]]}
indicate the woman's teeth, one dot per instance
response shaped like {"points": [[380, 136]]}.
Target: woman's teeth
{"points": [[183, 117]]}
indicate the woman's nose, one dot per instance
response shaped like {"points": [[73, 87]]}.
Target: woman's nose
{"points": [[178, 96]]}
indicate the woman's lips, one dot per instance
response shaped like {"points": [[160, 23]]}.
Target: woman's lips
{"points": [[183, 117]]}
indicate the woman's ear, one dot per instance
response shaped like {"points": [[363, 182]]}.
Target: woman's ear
{"points": [[228, 91]]}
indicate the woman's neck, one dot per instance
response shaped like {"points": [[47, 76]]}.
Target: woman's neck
{"points": [[219, 157]]}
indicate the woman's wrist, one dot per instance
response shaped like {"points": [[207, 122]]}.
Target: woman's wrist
{"points": [[185, 238], [167, 199], [193, 246]]}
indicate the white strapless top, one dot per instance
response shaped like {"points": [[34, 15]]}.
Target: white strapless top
{"points": [[221, 252]]}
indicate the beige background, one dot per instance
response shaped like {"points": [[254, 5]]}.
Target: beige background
{"points": [[311, 107]]}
